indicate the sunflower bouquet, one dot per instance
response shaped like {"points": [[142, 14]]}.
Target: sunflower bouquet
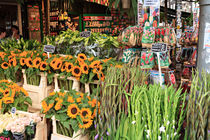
{"points": [[11, 95], [72, 110], [10, 68], [33, 62]]}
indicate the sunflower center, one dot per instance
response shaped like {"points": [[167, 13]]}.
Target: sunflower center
{"points": [[64, 66], [98, 69], [85, 122], [85, 68], [44, 65], [73, 111], [69, 67], [58, 65], [82, 57], [37, 62], [53, 62], [30, 62], [23, 60], [5, 65], [77, 71], [6, 92], [84, 113]]}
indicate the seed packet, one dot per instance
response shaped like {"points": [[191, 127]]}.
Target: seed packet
{"points": [[129, 55], [147, 60]]}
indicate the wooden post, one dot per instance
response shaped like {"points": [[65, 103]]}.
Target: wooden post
{"points": [[19, 18]]}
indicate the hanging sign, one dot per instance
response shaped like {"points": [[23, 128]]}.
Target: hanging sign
{"points": [[140, 12], [151, 2], [85, 34], [159, 47]]}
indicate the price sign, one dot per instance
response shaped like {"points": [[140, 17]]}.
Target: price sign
{"points": [[85, 34], [49, 48], [159, 47], [13, 110]]}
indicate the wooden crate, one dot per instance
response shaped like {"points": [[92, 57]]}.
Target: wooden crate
{"points": [[88, 88], [75, 86], [37, 93], [41, 128], [56, 136]]}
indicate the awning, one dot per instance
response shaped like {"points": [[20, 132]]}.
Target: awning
{"points": [[102, 2]]}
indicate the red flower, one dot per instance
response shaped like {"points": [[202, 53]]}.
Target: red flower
{"points": [[151, 59], [147, 62], [173, 80], [143, 56], [142, 64], [162, 32]]}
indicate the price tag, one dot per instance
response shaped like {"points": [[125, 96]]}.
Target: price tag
{"points": [[159, 47], [13, 110], [49, 48], [85, 34]]}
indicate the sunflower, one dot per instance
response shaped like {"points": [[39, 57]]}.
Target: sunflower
{"points": [[86, 124], [58, 64], [22, 61], [76, 71], [101, 75], [63, 68], [0, 103], [43, 65], [10, 57], [91, 58], [69, 67], [8, 100], [84, 68], [68, 57], [36, 62], [62, 93], [79, 100], [58, 104], [91, 104], [52, 63], [5, 65], [73, 111], [6, 93], [98, 69], [118, 66], [52, 93], [13, 62], [89, 98], [81, 57], [24, 91], [70, 99], [106, 60], [85, 113], [29, 62], [95, 64]]}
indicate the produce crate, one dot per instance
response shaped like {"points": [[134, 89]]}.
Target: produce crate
{"points": [[56, 136], [41, 128], [75, 84], [90, 86], [37, 93]]}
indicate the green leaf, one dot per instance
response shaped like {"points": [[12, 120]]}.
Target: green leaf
{"points": [[79, 119], [28, 100], [66, 124], [49, 115], [74, 125]]}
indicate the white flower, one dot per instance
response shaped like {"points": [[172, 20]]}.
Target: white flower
{"points": [[173, 122], [142, 118], [159, 137], [145, 126], [148, 132], [136, 113], [175, 133], [162, 129], [147, 136], [173, 127], [133, 122], [167, 137], [168, 123]]}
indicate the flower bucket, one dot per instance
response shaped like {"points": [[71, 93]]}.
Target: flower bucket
{"points": [[56, 136], [39, 90], [66, 83], [89, 87]]}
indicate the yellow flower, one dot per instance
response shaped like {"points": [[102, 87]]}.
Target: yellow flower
{"points": [[73, 111], [86, 124], [85, 113], [70, 99]]}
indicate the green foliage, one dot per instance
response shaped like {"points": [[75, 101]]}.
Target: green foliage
{"points": [[198, 108]]}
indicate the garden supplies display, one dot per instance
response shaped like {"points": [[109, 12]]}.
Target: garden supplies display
{"points": [[129, 55], [147, 60], [148, 36], [97, 44], [11, 95], [131, 36], [18, 126], [72, 110], [164, 59]]}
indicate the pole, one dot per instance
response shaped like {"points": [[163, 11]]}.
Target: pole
{"points": [[203, 62], [160, 73]]}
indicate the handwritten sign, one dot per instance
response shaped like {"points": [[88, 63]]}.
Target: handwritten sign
{"points": [[49, 48], [159, 47], [151, 2], [85, 34]]}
